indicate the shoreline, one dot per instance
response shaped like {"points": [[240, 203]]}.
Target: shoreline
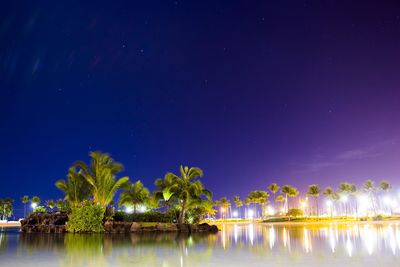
{"points": [[10, 224]]}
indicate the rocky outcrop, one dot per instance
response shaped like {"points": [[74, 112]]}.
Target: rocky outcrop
{"points": [[135, 227], [54, 222], [45, 222]]}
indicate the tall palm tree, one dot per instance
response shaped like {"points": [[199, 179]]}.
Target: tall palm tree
{"points": [[280, 199], [134, 195], [289, 191], [238, 204], [370, 189], [313, 191], [101, 175], [75, 187], [24, 200], [35, 201], [273, 188], [331, 195], [344, 190], [260, 198], [224, 205], [187, 188]]}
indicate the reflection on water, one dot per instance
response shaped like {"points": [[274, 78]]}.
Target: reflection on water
{"points": [[234, 245]]}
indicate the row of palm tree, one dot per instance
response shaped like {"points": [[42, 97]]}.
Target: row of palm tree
{"points": [[346, 192], [100, 181]]}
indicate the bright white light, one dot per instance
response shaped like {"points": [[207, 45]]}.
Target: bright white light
{"points": [[387, 200], [235, 214], [271, 211], [329, 203], [142, 208], [344, 198], [129, 209], [250, 213], [34, 205]]}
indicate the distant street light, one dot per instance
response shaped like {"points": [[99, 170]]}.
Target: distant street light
{"points": [[34, 205]]}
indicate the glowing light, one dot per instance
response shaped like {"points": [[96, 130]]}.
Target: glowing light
{"points": [[250, 214], [142, 208], [34, 205], [344, 198], [329, 203], [271, 210], [235, 214], [129, 209]]}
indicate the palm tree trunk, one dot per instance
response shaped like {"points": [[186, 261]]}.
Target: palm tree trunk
{"points": [[181, 219]]}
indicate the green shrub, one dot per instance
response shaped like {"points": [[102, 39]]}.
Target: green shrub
{"points": [[295, 213], [40, 209], [86, 218]]}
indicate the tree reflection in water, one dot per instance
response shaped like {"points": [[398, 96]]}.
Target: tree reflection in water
{"points": [[238, 244]]}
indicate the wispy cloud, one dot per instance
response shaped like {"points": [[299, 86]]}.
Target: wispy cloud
{"points": [[320, 161]]}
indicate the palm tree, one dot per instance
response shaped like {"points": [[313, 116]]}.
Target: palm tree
{"points": [[75, 187], [353, 191], [273, 188], [289, 191], [24, 200], [238, 204], [164, 191], [50, 204], [134, 195], [258, 197], [187, 188], [35, 200], [385, 186], [280, 199], [313, 191], [344, 190], [332, 196], [224, 205], [101, 175], [369, 188]]}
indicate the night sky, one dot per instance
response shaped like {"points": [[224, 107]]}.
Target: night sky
{"points": [[253, 92]]}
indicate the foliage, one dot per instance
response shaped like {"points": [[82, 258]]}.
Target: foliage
{"points": [[6, 208], [101, 175], [62, 205], [87, 217], [75, 188], [187, 188], [164, 191], [295, 213], [274, 188], [50, 204], [134, 195], [40, 209], [238, 201], [35, 200]]}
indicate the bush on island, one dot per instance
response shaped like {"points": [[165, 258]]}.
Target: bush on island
{"points": [[40, 209], [295, 213], [87, 217]]}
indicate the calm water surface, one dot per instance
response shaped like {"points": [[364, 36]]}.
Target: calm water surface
{"points": [[236, 245]]}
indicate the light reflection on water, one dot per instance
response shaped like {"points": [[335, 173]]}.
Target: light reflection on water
{"points": [[235, 245]]}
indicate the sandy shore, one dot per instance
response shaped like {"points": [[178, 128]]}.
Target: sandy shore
{"points": [[10, 224]]}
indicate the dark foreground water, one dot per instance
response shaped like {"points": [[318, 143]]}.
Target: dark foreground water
{"points": [[236, 245]]}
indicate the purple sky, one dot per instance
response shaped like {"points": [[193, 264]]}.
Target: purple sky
{"points": [[293, 92]]}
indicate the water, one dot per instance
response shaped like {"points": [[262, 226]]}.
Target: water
{"points": [[235, 245]]}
